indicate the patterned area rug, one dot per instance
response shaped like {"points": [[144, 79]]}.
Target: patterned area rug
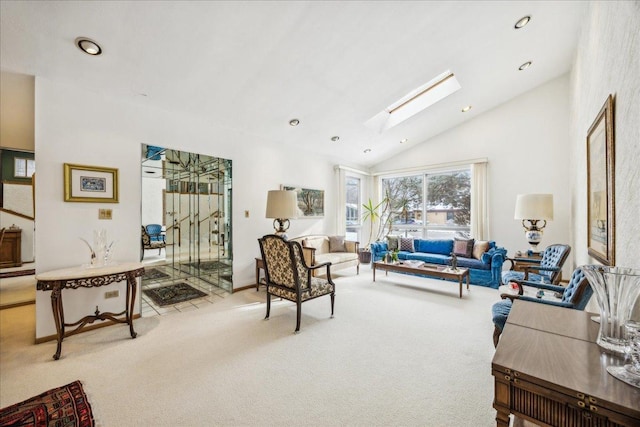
{"points": [[62, 406], [8, 274], [173, 294], [154, 274], [209, 265]]}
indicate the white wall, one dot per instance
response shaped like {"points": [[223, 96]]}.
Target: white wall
{"points": [[608, 62], [77, 126], [527, 145]]}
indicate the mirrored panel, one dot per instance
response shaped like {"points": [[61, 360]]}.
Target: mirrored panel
{"points": [[186, 214]]}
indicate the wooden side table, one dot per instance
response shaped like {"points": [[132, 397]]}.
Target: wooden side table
{"points": [[259, 266], [522, 260], [10, 249], [86, 277]]}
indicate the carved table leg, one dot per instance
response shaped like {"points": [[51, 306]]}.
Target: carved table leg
{"points": [[131, 300], [58, 316]]}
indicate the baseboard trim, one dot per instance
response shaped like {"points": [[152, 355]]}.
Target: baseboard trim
{"points": [[85, 329], [244, 288], [17, 304]]}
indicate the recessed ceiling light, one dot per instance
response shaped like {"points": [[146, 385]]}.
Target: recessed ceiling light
{"points": [[367, 151], [522, 22], [524, 66], [402, 141], [335, 138], [467, 108], [88, 46], [294, 122]]}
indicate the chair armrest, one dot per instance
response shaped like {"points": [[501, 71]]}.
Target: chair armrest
{"points": [[510, 296], [351, 246], [539, 285], [529, 260], [324, 264]]}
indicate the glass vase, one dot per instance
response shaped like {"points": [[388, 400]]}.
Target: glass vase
{"points": [[616, 289]]}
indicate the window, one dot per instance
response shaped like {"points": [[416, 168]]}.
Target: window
{"points": [[23, 168], [353, 204], [445, 197]]}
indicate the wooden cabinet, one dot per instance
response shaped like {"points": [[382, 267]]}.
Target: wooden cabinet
{"points": [[548, 369], [10, 254]]}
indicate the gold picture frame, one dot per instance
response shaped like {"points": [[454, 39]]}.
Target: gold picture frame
{"points": [[90, 184], [600, 186]]}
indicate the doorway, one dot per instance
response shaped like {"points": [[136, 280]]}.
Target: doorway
{"points": [[187, 196]]}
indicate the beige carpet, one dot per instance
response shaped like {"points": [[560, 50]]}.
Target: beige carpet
{"points": [[403, 351]]}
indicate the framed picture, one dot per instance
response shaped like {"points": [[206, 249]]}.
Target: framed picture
{"points": [[310, 202], [90, 184], [600, 186]]}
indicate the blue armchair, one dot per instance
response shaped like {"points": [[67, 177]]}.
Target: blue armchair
{"points": [[155, 233], [575, 295], [547, 270]]}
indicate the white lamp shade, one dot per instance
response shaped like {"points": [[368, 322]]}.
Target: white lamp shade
{"points": [[534, 206], [282, 204]]}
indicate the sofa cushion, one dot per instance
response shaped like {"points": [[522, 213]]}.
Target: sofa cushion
{"points": [[480, 247], [336, 244], [406, 244], [336, 257], [463, 247], [321, 243], [473, 263], [428, 258], [392, 242], [435, 246]]}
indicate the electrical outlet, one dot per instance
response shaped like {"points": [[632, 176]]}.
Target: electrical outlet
{"points": [[112, 294]]}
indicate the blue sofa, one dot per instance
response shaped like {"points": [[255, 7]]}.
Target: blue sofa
{"points": [[484, 272]]}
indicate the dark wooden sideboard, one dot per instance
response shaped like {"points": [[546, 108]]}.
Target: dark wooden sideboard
{"points": [[549, 370], [10, 250]]}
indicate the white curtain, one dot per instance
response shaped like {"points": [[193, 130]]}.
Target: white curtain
{"points": [[341, 221], [479, 202]]}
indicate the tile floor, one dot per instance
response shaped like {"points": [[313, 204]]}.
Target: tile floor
{"points": [[214, 286]]}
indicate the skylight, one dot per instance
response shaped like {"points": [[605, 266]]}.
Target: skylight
{"points": [[415, 101]]}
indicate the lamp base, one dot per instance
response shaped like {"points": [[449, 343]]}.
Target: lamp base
{"points": [[281, 225], [532, 233]]}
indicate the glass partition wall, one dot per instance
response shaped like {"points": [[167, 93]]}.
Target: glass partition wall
{"points": [[189, 196]]}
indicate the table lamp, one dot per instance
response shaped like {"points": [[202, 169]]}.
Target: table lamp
{"points": [[281, 205], [534, 208]]}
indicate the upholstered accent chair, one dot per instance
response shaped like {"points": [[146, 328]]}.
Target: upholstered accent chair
{"points": [[547, 270], [155, 232], [289, 277], [575, 295], [147, 243]]}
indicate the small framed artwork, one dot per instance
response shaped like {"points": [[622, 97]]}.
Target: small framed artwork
{"points": [[93, 184], [310, 202], [600, 186]]}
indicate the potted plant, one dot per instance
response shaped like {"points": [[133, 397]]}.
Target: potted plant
{"points": [[371, 213]]}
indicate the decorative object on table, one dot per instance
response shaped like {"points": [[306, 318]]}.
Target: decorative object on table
{"points": [[173, 294], [600, 186], [616, 289], [454, 261], [282, 205], [394, 255], [309, 202], [67, 405], [90, 184], [534, 208], [630, 373], [101, 251]]}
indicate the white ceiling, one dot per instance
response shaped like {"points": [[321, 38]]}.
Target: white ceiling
{"points": [[253, 66]]}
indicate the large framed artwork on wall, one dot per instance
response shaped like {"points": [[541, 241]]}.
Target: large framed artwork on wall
{"points": [[310, 202], [600, 186]]}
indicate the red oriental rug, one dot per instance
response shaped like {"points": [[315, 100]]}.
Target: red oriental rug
{"points": [[65, 406]]}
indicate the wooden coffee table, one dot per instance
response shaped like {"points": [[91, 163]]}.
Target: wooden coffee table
{"points": [[427, 270]]}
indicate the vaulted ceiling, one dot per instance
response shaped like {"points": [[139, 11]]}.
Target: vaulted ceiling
{"points": [[254, 66]]}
